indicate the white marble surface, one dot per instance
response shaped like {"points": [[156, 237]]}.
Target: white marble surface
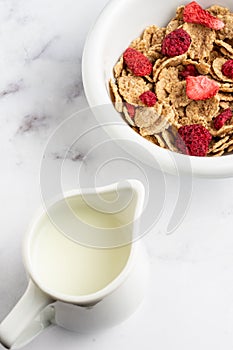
{"points": [[190, 300]]}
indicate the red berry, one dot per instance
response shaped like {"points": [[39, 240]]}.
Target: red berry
{"points": [[176, 43], [131, 109], [137, 62], [227, 69], [190, 69], [148, 98], [194, 13], [193, 140], [201, 87], [222, 118]]}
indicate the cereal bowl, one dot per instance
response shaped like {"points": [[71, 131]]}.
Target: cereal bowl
{"points": [[119, 23]]}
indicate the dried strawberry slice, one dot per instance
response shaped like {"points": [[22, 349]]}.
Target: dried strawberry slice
{"points": [[131, 110], [222, 118], [139, 64], [201, 87], [176, 43], [194, 13], [148, 98], [190, 69], [193, 140], [227, 69]]}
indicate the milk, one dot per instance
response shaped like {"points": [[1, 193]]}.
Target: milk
{"points": [[68, 267]]}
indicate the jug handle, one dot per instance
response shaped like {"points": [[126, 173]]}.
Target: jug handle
{"points": [[29, 317]]}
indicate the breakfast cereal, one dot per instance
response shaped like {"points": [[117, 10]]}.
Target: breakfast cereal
{"points": [[174, 85]]}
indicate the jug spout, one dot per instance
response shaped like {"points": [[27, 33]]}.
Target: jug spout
{"points": [[108, 215], [129, 204]]}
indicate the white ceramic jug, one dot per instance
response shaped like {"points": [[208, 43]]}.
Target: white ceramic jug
{"points": [[85, 270]]}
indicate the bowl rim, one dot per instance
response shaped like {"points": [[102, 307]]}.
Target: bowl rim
{"points": [[206, 167]]}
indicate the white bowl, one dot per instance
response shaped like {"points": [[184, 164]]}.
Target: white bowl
{"points": [[119, 23]]}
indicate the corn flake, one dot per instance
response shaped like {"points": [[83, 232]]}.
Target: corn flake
{"points": [[131, 87], [202, 41], [117, 100], [147, 116], [202, 109]]}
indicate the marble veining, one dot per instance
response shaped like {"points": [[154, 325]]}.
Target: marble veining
{"points": [[32, 123], [11, 88], [73, 156]]}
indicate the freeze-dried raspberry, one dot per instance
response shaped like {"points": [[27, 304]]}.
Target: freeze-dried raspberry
{"points": [[176, 43], [194, 13], [190, 69], [130, 109], [137, 62], [148, 98], [227, 69], [201, 88], [222, 118], [193, 140]]}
